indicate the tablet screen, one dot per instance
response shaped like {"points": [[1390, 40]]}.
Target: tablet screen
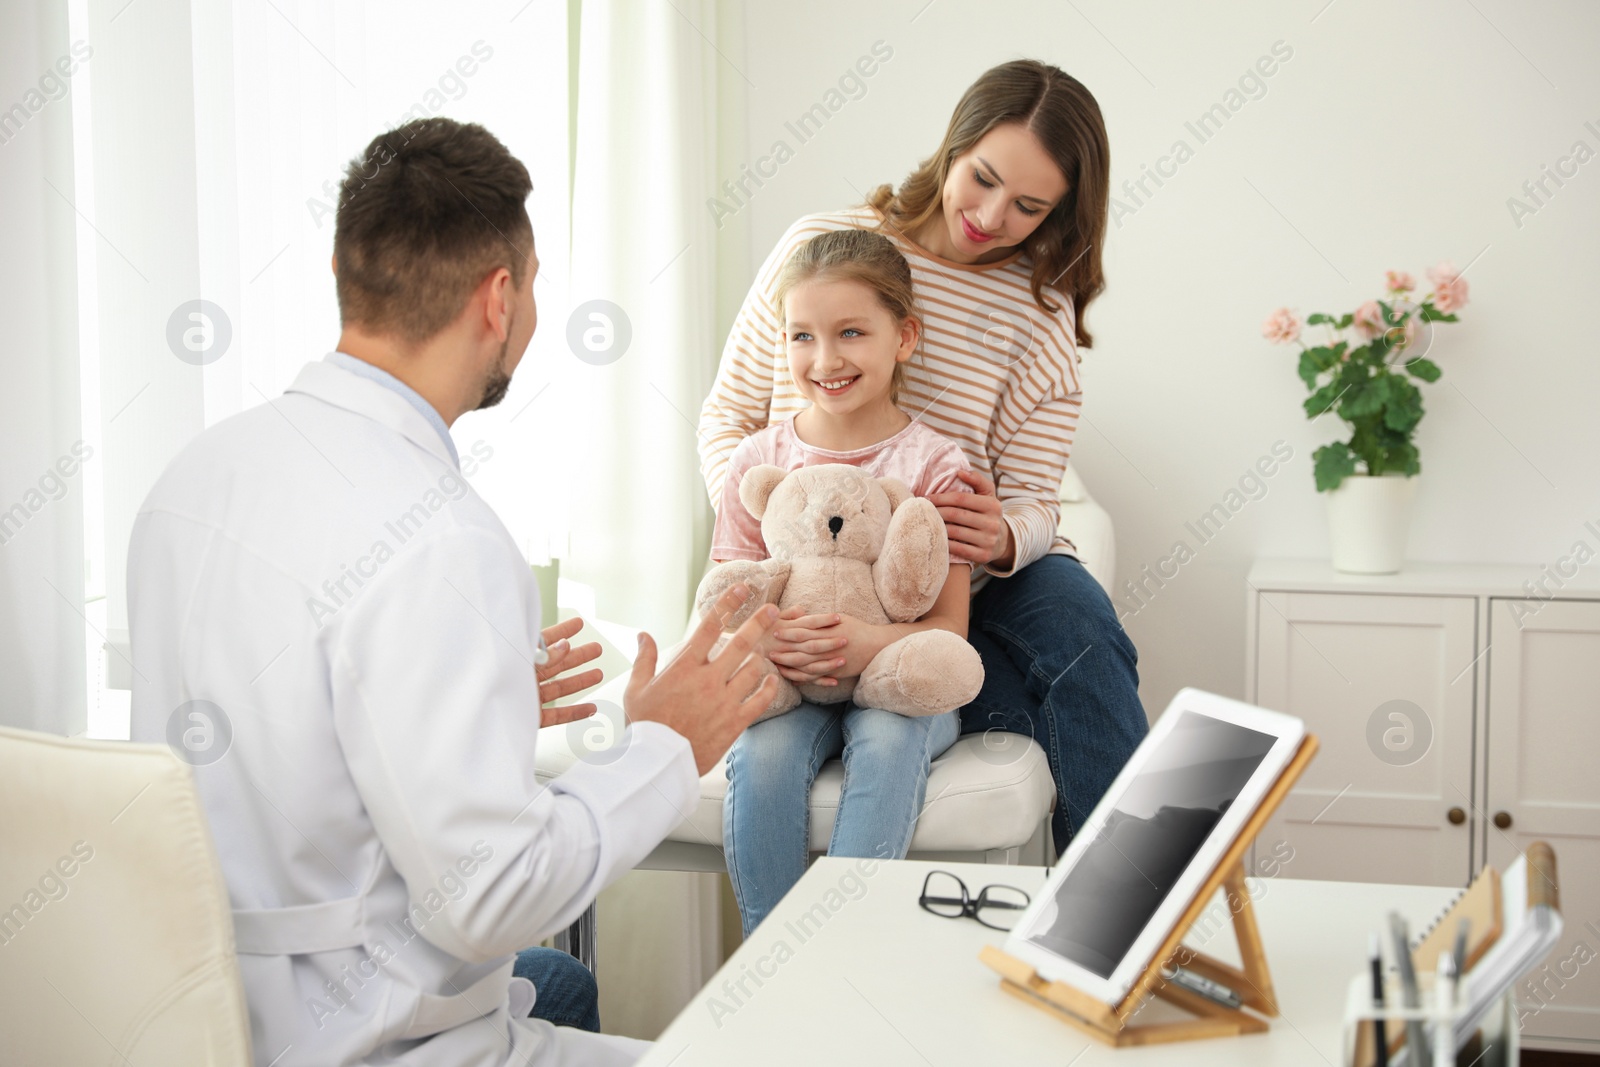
{"points": [[1149, 838]]}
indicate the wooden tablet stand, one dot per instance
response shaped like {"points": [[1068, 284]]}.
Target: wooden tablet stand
{"points": [[1113, 1023]]}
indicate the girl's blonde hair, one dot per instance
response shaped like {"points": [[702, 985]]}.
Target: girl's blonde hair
{"points": [[860, 256]]}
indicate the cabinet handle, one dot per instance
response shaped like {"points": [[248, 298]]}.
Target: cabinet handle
{"points": [[1502, 819], [1456, 816]]}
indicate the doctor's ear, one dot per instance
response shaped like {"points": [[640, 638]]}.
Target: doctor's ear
{"points": [[497, 303], [335, 265]]}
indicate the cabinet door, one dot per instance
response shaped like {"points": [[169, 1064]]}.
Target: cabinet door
{"points": [[1386, 683], [1543, 741]]}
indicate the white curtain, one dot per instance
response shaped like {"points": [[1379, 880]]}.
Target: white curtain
{"points": [[215, 138], [643, 242], [220, 134], [41, 479]]}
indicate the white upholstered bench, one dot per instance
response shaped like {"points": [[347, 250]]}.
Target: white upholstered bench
{"points": [[989, 796]]}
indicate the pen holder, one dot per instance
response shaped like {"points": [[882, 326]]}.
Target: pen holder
{"points": [[1359, 1035]]}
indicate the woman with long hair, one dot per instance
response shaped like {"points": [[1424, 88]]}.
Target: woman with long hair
{"points": [[1003, 227]]}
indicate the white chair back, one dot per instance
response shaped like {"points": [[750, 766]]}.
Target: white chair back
{"points": [[116, 940]]}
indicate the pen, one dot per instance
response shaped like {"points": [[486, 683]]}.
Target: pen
{"points": [[1461, 947], [1410, 996], [1444, 1029], [1379, 1029]]}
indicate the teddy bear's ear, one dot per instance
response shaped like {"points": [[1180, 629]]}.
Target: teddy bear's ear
{"points": [[756, 487], [898, 493]]}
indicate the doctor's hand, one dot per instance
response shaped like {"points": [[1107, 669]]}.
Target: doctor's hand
{"points": [[707, 698], [563, 660]]}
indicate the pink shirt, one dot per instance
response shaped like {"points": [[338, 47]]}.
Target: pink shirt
{"points": [[923, 459]]}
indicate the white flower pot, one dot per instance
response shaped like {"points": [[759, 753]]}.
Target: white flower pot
{"points": [[1368, 522]]}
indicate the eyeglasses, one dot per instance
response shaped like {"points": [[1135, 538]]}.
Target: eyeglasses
{"points": [[996, 906]]}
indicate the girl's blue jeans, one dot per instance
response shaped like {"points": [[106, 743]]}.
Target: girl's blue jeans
{"points": [[1058, 668], [766, 819]]}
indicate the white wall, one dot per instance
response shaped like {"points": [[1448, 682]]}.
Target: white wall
{"points": [[1393, 137], [42, 679]]}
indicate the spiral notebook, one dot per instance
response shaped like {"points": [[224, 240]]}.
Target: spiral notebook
{"points": [[1480, 905], [1532, 912]]}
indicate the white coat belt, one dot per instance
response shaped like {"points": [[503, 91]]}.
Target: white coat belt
{"points": [[342, 924]]}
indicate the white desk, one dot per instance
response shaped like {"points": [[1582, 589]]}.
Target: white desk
{"points": [[876, 980]]}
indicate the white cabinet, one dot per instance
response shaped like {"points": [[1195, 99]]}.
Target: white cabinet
{"points": [[1543, 783], [1459, 719]]}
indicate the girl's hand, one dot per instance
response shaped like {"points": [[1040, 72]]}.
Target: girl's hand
{"points": [[973, 523], [822, 648], [563, 659]]}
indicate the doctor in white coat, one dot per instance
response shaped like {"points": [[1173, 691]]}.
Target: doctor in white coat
{"points": [[343, 638]]}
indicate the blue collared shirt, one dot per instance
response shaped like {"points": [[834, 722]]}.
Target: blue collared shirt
{"points": [[412, 397]]}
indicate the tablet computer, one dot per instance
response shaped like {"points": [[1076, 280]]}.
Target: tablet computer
{"points": [[1152, 841]]}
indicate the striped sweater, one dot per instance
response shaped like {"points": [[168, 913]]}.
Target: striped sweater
{"points": [[995, 373]]}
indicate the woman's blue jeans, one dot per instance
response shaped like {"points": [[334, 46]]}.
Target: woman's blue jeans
{"points": [[766, 819], [1058, 668]]}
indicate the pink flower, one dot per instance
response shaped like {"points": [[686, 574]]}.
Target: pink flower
{"points": [[1451, 296], [1408, 333], [1281, 327], [1368, 320], [1399, 281], [1402, 335], [1449, 287], [1441, 272]]}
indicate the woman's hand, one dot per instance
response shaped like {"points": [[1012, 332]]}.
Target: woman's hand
{"points": [[821, 648], [973, 523], [563, 660]]}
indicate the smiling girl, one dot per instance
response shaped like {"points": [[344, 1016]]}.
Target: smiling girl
{"points": [[1003, 226], [850, 328]]}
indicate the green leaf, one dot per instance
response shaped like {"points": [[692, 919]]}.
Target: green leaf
{"points": [[1313, 361], [1334, 463], [1317, 319], [1368, 448], [1426, 369], [1309, 370], [1345, 321], [1433, 314], [1404, 408], [1364, 399], [1320, 401], [1403, 458]]}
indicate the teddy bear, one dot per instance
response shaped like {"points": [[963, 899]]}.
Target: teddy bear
{"points": [[842, 541]]}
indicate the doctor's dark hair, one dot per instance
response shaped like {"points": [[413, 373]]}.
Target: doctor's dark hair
{"points": [[1064, 251], [857, 256], [426, 212]]}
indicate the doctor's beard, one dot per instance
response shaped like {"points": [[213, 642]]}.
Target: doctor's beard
{"points": [[497, 382]]}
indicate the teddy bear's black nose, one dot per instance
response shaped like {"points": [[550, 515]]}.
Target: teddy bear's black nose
{"points": [[836, 524]]}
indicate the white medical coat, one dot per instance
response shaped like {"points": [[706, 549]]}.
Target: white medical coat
{"points": [[356, 632]]}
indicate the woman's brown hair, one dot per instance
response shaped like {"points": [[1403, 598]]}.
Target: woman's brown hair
{"points": [[1055, 107], [859, 256]]}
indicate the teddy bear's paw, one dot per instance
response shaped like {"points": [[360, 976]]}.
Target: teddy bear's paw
{"points": [[725, 576], [829, 694], [926, 673], [787, 699], [914, 563]]}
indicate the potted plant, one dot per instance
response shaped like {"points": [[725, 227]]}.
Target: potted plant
{"points": [[1366, 372]]}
